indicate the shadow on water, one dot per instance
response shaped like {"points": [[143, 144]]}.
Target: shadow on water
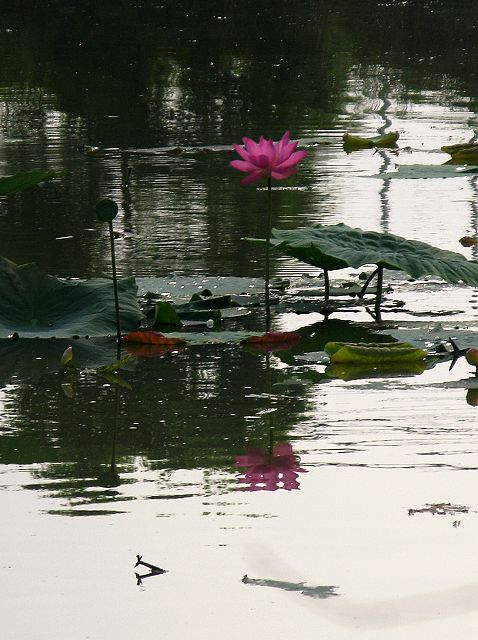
{"points": [[321, 592]]}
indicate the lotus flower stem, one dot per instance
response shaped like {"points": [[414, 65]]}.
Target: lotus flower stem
{"points": [[274, 161], [268, 240], [115, 283]]}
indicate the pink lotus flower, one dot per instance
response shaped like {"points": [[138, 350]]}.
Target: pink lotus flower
{"points": [[280, 470], [267, 159]]}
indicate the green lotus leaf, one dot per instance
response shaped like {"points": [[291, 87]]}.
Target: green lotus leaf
{"points": [[353, 143], [428, 171], [19, 181], [455, 148], [381, 347], [379, 353], [35, 304], [338, 246], [165, 314]]}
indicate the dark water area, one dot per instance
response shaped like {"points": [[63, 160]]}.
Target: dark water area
{"points": [[152, 83], [237, 469]]}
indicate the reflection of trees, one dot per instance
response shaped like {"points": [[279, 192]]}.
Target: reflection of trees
{"points": [[186, 69], [189, 410], [190, 73]]}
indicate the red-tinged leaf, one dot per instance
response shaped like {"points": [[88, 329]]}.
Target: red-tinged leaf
{"points": [[272, 341], [150, 350], [151, 338]]}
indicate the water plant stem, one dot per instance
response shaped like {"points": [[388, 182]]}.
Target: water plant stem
{"points": [[268, 239], [326, 285], [378, 297], [367, 282], [115, 284]]}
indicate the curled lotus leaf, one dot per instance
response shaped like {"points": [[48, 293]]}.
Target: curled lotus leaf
{"points": [[378, 353], [353, 143]]}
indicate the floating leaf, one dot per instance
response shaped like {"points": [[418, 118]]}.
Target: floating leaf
{"points": [[199, 302], [273, 341], [202, 316], [462, 153], [378, 353], [34, 304], [338, 246], [356, 142], [427, 171], [273, 336], [181, 288], [454, 148], [20, 181], [353, 143], [386, 140], [151, 350], [166, 314], [150, 337], [332, 347]]}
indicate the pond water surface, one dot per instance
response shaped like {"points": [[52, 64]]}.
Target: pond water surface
{"points": [[279, 500]]}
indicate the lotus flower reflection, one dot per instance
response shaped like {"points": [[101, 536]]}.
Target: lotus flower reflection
{"points": [[267, 159], [270, 472]]}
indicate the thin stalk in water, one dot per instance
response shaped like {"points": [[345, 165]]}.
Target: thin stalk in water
{"points": [[106, 211], [268, 239], [115, 283], [326, 285], [378, 298]]}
